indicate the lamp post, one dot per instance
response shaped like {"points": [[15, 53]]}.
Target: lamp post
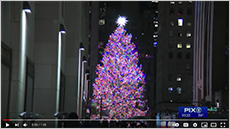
{"points": [[79, 77], [22, 54], [82, 84], [61, 31]]}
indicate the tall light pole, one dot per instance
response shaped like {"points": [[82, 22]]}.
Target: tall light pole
{"points": [[61, 31], [81, 48], [82, 83]]}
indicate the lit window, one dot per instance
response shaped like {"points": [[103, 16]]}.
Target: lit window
{"points": [[101, 22], [155, 44], [178, 78], [172, 2], [156, 25], [179, 45], [188, 45], [189, 23], [171, 100], [142, 33], [170, 89], [156, 11], [178, 90], [171, 23], [180, 2], [188, 34], [154, 36], [180, 22], [187, 66], [171, 33]]}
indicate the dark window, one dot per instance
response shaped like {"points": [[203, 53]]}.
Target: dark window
{"points": [[188, 56], [170, 44], [170, 77], [180, 34], [170, 55], [187, 66], [170, 33], [179, 55], [170, 66], [189, 11], [179, 67], [180, 11], [171, 12]]}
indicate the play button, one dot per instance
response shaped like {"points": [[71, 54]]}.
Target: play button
{"points": [[7, 124]]}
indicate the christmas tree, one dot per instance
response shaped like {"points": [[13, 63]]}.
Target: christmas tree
{"points": [[119, 85]]}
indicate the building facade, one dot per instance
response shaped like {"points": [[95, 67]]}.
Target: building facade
{"points": [[174, 54], [39, 44], [211, 40]]}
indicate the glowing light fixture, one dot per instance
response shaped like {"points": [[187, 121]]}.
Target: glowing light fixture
{"points": [[26, 7], [81, 47], [121, 21], [62, 29]]}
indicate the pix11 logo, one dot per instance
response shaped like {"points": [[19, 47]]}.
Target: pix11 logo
{"points": [[192, 112]]}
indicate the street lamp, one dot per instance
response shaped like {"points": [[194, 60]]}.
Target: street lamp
{"points": [[81, 48], [26, 7], [61, 31], [82, 83]]}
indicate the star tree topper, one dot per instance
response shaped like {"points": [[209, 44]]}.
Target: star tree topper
{"points": [[121, 21]]}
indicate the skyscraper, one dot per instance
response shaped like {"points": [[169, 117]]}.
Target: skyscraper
{"points": [[174, 54]]}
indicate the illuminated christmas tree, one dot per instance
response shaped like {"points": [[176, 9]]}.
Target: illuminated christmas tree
{"points": [[120, 81]]}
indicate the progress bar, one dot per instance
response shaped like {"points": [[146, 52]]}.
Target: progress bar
{"points": [[116, 120]]}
